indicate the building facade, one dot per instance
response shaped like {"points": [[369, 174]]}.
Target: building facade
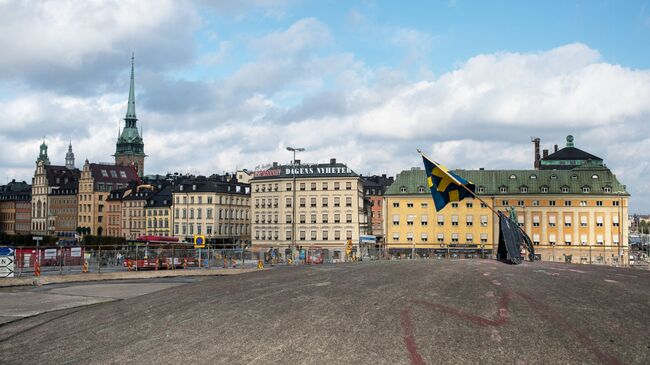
{"points": [[95, 184], [216, 208], [572, 214], [15, 207], [129, 149], [158, 210], [134, 222], [375, 187], [323, 208]]}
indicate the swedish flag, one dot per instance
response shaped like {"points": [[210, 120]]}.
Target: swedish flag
{"points": [[445, 185]]}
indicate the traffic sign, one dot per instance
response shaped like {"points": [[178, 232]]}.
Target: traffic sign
{"points": [[199, 241], [7, 259]]}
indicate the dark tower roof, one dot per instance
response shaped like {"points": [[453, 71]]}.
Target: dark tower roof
{"points": [[569, 157]]}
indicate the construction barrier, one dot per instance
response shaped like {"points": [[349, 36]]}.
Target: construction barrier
{"points": [[37, 269]]}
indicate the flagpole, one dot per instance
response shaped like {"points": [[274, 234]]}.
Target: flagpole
{"points": [[472, 193]]}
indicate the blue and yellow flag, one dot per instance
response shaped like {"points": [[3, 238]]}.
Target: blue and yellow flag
{"points": [[445, 185]]}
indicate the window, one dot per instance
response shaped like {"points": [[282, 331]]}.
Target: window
{"points": [[324, 186], [504, 202], [424, 220], [313, 235], [313, 202], [551, 203], [616, 203], [287, 235], [409, 219], [325, 218], [599, 221], [567, 239], [469, 205], [348, 218], [409, 237], [396, 220], [454, 237], [441, 220], [553, 177], [337, 235], [348, 234], [469, 238], [288, 218], [454, 220], [481, 190], [536, 239], [551, 221], [302, 218], [313, 218], [544, 189], [402, 189], [123, 174], [395, 236], [503, 189], [574, 177], [424, 237], [583, 220], [440, 237], [325, 202], [336, 185], [567, 221], [409, 205], [535, 203], [424, 205], [520, 203], [551, 239], [523, 189], [421, 189], [484, 221], [535, 221], [113, 174], [348, 201], [599, 203], [302, 186], [513, 177], [313, 186], [583, 203], [454, 205], [325, 235], [288, 202], [395, 205], [567, 203], [337, 218], [303, 234], [533, 177], [348, 185], [302, 202], [104, 173], [586, 189], [565, 189], [615, 221], [469, 220], [288, 186]]}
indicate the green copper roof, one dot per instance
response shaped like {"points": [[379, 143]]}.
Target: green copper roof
{"points": [[129, 141], [597, 180], [130, 110]]}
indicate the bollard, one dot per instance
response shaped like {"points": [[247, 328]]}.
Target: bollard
{"points": [[37, 269], [260, 264], [84, 268]]}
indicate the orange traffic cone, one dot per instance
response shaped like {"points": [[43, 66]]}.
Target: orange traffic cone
{"points": [[84, 268], [37, 268]]}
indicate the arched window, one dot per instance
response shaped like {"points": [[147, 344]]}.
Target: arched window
{"points": [[421, 189], [523, 189], [565, 189]]}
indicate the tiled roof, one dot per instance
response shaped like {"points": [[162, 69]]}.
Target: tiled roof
{"points": [[129, 173], [54, 172], [596, 178]]}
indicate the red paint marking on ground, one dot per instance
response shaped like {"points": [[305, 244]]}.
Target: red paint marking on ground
{"points": [[549, 314], [502, 312], [409, 337]]}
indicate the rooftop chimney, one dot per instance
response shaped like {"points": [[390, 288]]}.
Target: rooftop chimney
{"points": [[275, 164], [297, 162], [555, 149], [545, 153], [332, 161], [536, 163]]}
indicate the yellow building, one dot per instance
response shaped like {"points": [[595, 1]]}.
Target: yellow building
{"points": [[573, 208], [159, 213], [134, 222], [463, 229], [95, 185]]}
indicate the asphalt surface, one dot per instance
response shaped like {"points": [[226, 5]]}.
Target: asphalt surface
{"points": [[391, 312]]}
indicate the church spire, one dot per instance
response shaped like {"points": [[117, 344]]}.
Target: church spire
{"points": [[130, 111], [69, 157]]}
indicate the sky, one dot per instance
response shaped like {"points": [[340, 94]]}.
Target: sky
{"points": [[225, 85]]}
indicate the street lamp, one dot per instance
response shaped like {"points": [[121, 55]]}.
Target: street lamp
{"points": [[293, 201]]}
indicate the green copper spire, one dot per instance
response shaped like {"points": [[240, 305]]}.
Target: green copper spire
{"points": [[130, 111]]}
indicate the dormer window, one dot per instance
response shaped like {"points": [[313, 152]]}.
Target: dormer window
{"points": [[523, 189], [123, 174], [574, 177], [481, 189], [402, 189], [533, 177], [513, 177], [586, 189], [503, 189], [565, 189], [594, 176], [544, 189], [607, 189], [553, 177], [421, 189]]}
